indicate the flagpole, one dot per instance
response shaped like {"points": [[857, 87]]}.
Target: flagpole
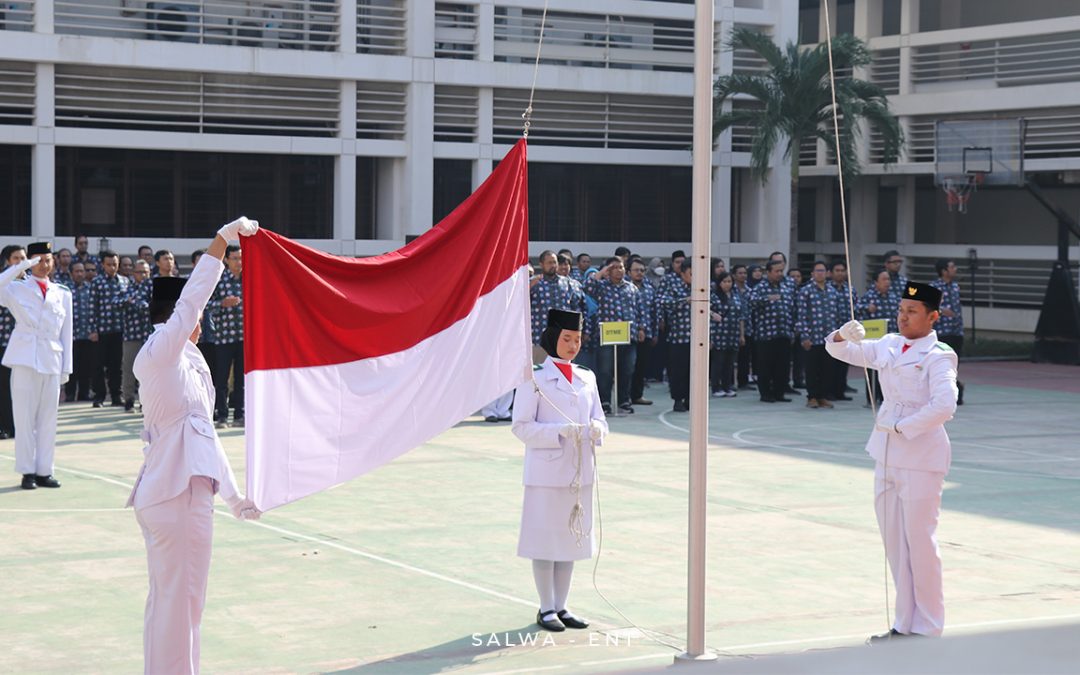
{"points": [[699, 331]]}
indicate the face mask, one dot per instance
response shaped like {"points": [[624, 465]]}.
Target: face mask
{"points": [[659, 271]]}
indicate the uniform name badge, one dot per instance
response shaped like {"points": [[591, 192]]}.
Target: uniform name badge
{"points": [[876, 328], [614, 333]]}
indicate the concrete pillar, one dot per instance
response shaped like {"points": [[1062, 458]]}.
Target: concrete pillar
{"points": [[905, 212], [348, 26], [419, 162], [862, 230], [43, 16], [485, 32], [43, 154]]}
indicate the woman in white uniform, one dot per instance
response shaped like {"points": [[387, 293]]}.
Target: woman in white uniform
{"points": [[559, 418]]}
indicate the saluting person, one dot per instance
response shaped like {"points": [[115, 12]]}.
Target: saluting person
{"points": [[39, 355], [911, 450], [559, 417], [185, 464]]}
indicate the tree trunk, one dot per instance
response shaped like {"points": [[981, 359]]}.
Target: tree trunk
{"points": [[794, 233]]}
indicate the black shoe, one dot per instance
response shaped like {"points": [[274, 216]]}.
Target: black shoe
{"points": [[606, 408], [960, 396], [768, 399], [627, 408], [893, 634], [783, 399], [45, 481], [491, 418], [28, 482], [842, 397], [850, 390], [791, 390], [553, 625], [680, 406], [641, 401], [571, 621], [506, 419], [116, 402], [129, 405], [4, 435], [98, 404], [238, 422]]}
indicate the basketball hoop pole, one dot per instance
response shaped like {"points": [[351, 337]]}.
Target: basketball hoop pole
{"points": [[1066, 223]]}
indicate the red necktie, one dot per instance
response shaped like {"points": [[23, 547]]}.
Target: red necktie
{"points": [[904, 350], [43, 286], [566, 369]]}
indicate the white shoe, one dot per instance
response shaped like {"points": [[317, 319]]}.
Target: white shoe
{"points": [[731, 393], [718, 394]]}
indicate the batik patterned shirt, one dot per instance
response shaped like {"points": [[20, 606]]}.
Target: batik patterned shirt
{"points": [[108, 297], [724, 334], [815, 312], [647, 293], [558, 293], [885, 307], [950, 299], [137, 325], [82, 308], [675, 309], [617, 303], [773, 309], [228, 321]]}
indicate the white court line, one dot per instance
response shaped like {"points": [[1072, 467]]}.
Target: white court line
{"points": [[957, 464], [331, 544]]}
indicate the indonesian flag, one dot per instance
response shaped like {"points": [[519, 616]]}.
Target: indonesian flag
{"points": [[350, 363]]}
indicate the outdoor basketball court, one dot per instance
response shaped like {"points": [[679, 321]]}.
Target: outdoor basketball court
{"points": [[411, 569]]}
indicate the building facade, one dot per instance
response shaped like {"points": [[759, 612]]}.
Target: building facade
{"points": [[354, 124]]}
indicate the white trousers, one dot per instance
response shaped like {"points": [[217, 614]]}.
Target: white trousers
{"points": [[34, 401], [500, 407], [178, 535], [908, 505]]}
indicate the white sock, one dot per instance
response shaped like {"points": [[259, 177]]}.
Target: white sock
{"points": [[544, 577], [564, 573]]}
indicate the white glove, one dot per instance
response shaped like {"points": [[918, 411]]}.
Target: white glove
{"points": [[570, 430], [29, 262], [853, 331], [64, 378], [244, 509], [241, 227], [596, 431]]}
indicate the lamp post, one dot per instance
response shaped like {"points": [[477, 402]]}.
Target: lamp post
{"points": [[973, 264]]}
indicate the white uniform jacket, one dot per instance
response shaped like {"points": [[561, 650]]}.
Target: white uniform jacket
{"points": [[550, 458], [920, 397], [178, 401], [41, 339]]}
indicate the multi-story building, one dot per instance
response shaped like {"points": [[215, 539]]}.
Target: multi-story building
{"points": [[353, 124], [956, 60]]}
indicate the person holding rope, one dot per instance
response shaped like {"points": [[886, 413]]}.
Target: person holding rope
{"points": [[911, 450], [559, 417]]}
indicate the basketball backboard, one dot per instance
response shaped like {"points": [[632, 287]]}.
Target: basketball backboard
{"points": [[989, 151]]}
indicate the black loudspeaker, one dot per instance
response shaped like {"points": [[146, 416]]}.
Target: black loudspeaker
{"points": [[1057, 336]]}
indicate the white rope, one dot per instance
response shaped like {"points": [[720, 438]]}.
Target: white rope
{"points": [[851, 301], [526, 116]]}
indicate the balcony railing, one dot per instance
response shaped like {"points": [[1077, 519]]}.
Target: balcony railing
{"points": [[16, 92], [885, 70], [594, 40], [380, 110], [380, 26], [456, 113], [282, 24], [456, 32], [1031, 59], [17, 15], [999, 282]]}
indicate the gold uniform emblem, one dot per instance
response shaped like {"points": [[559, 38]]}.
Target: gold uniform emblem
{"points": [[912, 291]]}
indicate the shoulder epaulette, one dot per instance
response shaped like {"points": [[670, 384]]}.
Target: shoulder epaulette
{"points": [[537, 366], [943, 347], [587, 370]]}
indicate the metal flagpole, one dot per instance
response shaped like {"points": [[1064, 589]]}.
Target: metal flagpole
{"points": [[699, 330]]}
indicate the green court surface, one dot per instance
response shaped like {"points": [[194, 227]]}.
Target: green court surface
{"points": [[412, 568]]}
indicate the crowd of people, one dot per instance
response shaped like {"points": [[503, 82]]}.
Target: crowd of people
{"points": [[768, 323], [110, 297]]}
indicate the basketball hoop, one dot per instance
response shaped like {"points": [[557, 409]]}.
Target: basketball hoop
{"points": [[958, 190]]}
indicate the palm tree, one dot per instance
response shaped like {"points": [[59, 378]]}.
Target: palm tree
{"points": [[794, 103]]}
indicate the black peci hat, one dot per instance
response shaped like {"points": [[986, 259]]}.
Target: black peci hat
{"points": [[38, 248], [167, 289], [923, 293], [564, 320]]}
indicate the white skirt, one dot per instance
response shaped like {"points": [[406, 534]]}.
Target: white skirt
{"points": [[545, 524]]}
